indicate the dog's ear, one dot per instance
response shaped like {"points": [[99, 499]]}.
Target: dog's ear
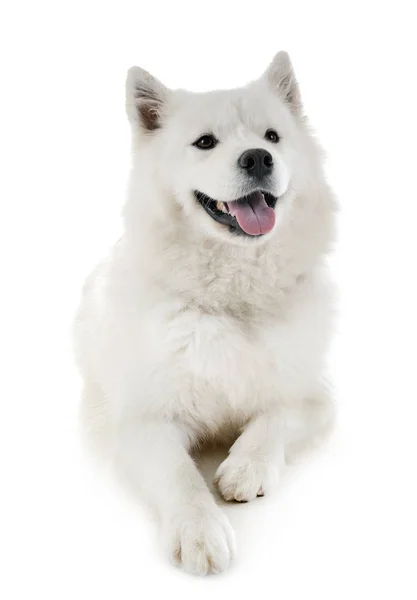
{"points": [[145, 98], [281, 78]]}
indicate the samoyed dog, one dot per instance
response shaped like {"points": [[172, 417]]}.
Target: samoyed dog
{"points": [[211, 318]]}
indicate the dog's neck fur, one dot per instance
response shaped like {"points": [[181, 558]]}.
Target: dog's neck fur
{"points": [[219, 277]]}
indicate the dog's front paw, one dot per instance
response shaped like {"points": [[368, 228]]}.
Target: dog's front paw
{"points": [[201, 540], [243, 478]]}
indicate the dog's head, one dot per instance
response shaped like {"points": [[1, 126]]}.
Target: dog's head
{"points": [[228, 159]]}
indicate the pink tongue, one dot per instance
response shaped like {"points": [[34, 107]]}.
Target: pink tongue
{"points": [[254, 216]]}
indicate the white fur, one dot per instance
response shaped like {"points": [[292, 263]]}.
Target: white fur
{"points": [[188, 332]]}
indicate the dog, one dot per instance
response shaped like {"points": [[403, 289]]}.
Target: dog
{"points": [[212, 315]]}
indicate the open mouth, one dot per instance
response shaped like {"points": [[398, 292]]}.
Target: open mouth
{"points": [[251, 215]]}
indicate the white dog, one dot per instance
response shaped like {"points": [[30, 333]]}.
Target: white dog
{"points": [[211, 317]]}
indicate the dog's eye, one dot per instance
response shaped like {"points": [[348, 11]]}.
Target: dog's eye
{"points": [[206, 142], [272, 136]]}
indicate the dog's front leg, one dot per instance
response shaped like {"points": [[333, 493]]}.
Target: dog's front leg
{"points": [[196, 533], [255, 459]]}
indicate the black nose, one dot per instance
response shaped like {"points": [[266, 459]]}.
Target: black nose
{"points": [[256, 163]]}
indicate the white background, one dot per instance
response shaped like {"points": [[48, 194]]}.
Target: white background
{"points": [[343, 526]]}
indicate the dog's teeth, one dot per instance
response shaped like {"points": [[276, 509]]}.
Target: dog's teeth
{"points": [[220, 206]]}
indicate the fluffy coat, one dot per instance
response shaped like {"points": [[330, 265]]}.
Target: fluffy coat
{"points": [[188, 332]]}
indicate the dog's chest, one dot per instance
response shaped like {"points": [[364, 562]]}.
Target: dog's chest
{"points": [[220, 367]]}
